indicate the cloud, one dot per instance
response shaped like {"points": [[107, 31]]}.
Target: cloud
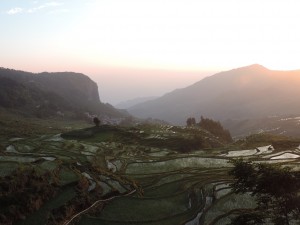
{"points": [[58, 11], [43, 6], [14, 11], [52, 4]]}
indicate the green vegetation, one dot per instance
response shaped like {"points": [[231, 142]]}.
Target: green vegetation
{"points": [[24, 191], [191, 121], [212, 126], [276, 191], [173, 138], [215, 128], [279, 142], [144, 174], [45, 95], [13, 124], [96, 121]]}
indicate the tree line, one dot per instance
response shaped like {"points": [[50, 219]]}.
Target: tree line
{"points": [[214, 127]]}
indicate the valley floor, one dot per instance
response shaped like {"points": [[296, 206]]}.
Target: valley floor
{"points": [[128, 175]]}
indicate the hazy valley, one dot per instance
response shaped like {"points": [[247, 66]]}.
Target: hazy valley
{"points": [[176, 168], [238, 98]]}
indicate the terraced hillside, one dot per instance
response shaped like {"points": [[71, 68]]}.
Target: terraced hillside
{"points": [[147, 174]]}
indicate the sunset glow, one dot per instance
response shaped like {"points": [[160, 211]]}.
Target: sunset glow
{"points": [[181, 35]]}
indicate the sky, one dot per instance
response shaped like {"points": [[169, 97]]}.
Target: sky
{"points": [[137, 48]]}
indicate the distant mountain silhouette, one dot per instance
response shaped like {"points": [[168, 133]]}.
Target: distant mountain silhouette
{"points": [[248, 92], [48, 93], [129, 103]]}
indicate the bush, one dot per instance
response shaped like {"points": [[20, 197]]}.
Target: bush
{"points": [[275, 189]]}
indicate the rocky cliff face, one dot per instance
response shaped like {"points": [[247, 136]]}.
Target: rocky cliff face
{"points": [[76, 88], [57, 91]]}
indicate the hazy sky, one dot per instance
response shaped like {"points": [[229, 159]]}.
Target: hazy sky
{"points": [[138, 48]]}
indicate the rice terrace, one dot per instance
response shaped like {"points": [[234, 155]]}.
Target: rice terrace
{"points": [[143, 174]]}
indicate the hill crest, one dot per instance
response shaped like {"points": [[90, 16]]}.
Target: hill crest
{"points": [[247, 92]]}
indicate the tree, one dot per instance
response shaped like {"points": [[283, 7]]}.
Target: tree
{"points": [[96, 121], [215, 128], [275, 189], [191, 121], [24, 191]]}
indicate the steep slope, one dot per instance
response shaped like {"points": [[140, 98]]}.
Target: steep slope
{"points": [[248, 92], [62, 91]]}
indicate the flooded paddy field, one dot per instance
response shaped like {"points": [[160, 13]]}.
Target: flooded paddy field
{"points": [[139, 175]]}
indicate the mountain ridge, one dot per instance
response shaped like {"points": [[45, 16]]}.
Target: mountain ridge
{"points": [[59, 91], [246, 92]]}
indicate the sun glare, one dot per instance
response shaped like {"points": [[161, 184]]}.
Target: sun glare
{"points": [[192, 34], [158, 35]]}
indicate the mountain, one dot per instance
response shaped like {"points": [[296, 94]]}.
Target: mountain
{"points": [[248, 92], [47, 93], [129, 103]]}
